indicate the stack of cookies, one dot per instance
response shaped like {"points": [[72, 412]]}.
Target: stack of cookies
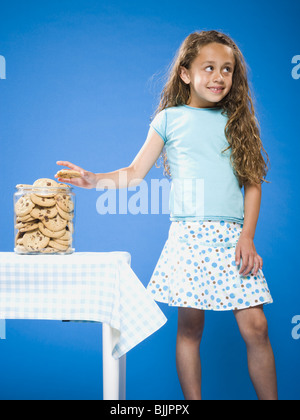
{"points": [[44, 215]]}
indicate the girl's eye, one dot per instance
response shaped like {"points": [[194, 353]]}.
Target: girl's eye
{"points": [[226, 68]]}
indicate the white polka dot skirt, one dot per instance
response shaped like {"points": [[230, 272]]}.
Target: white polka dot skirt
{"points": [[197, 269]]}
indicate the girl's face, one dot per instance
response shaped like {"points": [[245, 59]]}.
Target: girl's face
{"points": [[210, 75]]}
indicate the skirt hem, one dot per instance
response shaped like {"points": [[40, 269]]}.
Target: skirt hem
{"points": [[236, 308]]}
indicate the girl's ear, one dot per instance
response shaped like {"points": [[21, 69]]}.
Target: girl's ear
{"points": [[184, 75]]}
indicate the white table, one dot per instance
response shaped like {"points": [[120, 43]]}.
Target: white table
{"points": [[85, 286]]}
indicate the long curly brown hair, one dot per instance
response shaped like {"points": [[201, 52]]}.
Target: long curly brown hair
{"points": [[242, 129]]}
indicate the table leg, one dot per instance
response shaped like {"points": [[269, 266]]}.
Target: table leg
{"points": [[114, 371]]}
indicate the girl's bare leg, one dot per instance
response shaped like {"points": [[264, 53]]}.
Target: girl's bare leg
{"points": [[254, 330], [189, 334]]}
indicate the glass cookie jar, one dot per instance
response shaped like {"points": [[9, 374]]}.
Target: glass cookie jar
{"points": [[44, 220]]}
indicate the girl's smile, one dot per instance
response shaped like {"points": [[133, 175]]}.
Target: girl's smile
{"points": [[216, 89], [210, 75]]}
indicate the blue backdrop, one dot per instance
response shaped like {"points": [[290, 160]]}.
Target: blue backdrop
{"points": [[82, 80]]}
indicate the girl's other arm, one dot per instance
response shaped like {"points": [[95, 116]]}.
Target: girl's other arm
{"points": [[252, 201], [122, 178], [245, 248]]}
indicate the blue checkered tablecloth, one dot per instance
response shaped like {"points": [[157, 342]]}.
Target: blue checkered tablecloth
{"points": [[94, 286]]}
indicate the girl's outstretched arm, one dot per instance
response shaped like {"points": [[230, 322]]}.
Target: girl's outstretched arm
{"points": [[122, 178]]}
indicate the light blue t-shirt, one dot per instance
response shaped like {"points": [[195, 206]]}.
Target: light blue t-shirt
{"points": [[204, 185]]}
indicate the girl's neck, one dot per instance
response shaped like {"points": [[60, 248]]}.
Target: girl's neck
{"points": [[201, 108]]}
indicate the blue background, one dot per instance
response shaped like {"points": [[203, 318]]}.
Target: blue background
{"points": [[83, 79]]}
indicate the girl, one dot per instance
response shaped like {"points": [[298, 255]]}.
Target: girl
{"points": [[206, 107]]}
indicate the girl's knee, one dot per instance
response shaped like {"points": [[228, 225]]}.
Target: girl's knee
{"points": [[193, 333], [255, 330], [191, 324]]}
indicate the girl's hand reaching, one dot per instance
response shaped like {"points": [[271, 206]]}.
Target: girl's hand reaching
{"points": [[88, 179]]}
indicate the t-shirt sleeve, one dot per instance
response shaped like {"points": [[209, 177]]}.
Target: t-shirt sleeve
{"points": [[159, 124]]}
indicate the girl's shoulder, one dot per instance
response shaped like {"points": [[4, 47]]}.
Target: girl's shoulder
{"points": [[166, 115], [170, 112], [171, 109], [188, 110], [174, 110]]}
